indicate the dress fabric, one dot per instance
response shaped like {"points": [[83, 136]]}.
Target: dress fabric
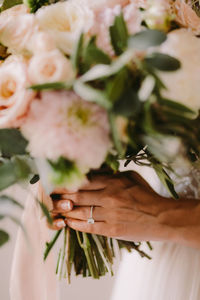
{"points": [[174, 271]]}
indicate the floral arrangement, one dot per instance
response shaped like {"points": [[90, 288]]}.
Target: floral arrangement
{"points": [[86, 83]]}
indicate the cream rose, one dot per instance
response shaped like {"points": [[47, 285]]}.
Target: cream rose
{"points": [[16, 32], [50, 67], [183, 85], [15, 11], [64, 21], [14, 95], [41, 42]]}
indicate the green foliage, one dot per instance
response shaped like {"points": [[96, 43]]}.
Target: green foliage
{"points": [[112, 162], [46, 212], [119, 35], [51, 86], [12, 142], [128, 104], [147, 38], [34, 5], [13, 171], [10, 3], [4, 237], [163, 62]]}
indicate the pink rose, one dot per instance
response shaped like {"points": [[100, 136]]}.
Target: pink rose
{"points": [[186, 16], [14, 95], [50, 67]]}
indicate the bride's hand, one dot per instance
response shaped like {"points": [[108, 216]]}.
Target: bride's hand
{"points": [[125, 207]]}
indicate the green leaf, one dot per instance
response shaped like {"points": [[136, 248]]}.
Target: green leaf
{"points": [[34, 5], [93, 55], [166, 180], [128, 105], [119, 35], [117, 85], [163, 62], [147, 38], [112, 162], [4, 237], [10, 3], [11, 200], [116, 138], [77, 53], [91, 94], [46, 212], [50, 245], [7, 175], [12, 142], [51, 86], [178, 108]]}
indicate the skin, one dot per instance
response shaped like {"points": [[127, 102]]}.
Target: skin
{"points": [[125, 207]]}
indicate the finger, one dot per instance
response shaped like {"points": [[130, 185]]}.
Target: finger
{"points": [[57, 224], [85, 198], [96, 183], [100, 228], [62, 206], [84, 213]]}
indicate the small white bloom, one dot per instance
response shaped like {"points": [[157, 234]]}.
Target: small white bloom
{"points": [[65, 21], [50, 67]]}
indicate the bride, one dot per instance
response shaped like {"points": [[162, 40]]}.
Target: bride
{"points": [[127, 208]]}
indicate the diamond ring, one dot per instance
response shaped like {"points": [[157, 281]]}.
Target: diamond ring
{"points": [[91, 220]]}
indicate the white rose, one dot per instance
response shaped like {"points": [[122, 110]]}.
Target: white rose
{"points": [[50, 67], [183, 85], [16, 32], [14, 95], [41, 42], [65, 21], [15, 11]]}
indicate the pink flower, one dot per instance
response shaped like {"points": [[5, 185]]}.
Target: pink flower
{"points": [[186, 16], [106, 17], [14, 96], [62, 124], [50, 66]]}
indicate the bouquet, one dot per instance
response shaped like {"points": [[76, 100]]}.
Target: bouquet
{"points": [[85, 84]]}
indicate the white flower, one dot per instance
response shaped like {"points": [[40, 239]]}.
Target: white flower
{"points": [[16, 32], [65, 21], [14, 95], [41, 42], [50, 67], [183, 85], [15, 11]]}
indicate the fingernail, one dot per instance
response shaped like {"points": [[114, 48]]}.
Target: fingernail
{"points": [[65, 205], [60, 224]]}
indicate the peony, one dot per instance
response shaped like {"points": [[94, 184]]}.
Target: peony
{"points": [[65, 21], [62, 124], [183, 85], [186, 16], [50, 67], [16, 32], [14, 97]]}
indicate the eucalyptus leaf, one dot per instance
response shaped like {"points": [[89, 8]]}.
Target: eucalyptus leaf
{"points": [[93, 55], [147, 38], [7, 175], [119, 35], [178, 108], [91, 94], [163, 62], [77, 53], [118, 85], [10, 3], [4, 237], [51, 86], [128, 105], [12, 142]]}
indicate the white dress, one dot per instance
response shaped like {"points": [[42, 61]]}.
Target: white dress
{"points": [[174, 271]]}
